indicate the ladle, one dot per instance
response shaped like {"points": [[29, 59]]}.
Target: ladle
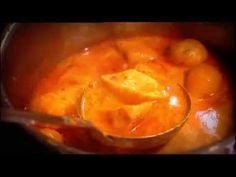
{"points": [[144, 142]]}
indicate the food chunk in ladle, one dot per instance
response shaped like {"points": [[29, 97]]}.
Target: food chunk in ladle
{"points": [[133, 104], [134, 86], [122, 117]]}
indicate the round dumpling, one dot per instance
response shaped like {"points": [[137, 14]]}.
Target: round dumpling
{"points": [[188, 52], [203, 80]]}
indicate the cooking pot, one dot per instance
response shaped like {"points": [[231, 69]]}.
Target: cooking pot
{"points": [[28, 51]]}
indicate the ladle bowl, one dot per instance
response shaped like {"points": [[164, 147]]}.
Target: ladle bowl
{"points": [[142, 142], [138, 143]]}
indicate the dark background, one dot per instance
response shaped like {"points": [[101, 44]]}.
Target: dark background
{"points": [[14, 140]]}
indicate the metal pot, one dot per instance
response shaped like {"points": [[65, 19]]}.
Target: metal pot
{"points": [[28, 51]]}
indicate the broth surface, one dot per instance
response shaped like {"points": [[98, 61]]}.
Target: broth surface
{"points": [[59, 93]]}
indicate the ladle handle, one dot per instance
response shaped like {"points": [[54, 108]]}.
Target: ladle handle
{"points": [[29, 118]]}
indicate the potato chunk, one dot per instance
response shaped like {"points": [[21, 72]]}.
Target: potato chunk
{"points": [[60, 102], [188, 52], [203, 80], [134, 86], [137, 51]]}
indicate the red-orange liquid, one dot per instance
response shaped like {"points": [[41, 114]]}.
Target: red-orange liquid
{"points": [[59, 93]]}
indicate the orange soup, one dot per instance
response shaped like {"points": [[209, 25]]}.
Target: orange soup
{"points": [[132, 87]]}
